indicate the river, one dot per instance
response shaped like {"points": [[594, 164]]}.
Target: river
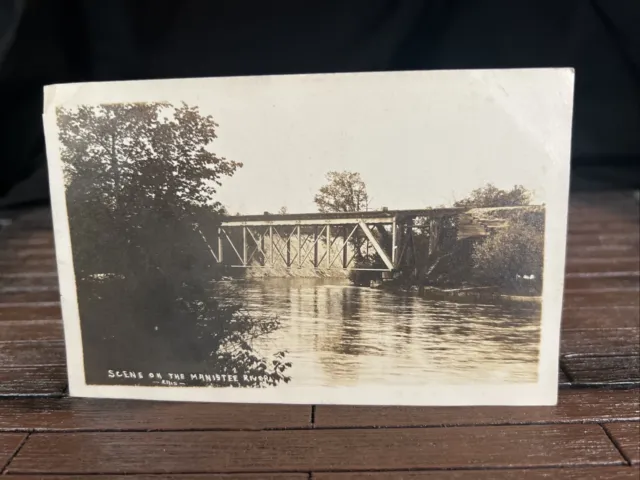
{"points": [[340, 335]]}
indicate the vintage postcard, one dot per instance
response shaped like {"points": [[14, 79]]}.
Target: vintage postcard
{"points": [[364, 238]]}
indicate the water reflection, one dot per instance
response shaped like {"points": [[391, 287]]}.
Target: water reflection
{"points": [[340, 335]]}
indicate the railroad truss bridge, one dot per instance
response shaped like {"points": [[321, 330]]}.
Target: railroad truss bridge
{"points": [[331, 240]]}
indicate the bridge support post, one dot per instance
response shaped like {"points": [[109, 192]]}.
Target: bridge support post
{"points": [[328, 245], [315, 247], [414, 252], [299, 248], [271, 243], [219, 245], [400, 244], [244, 245], [289, 249], [394, 245], [344, 247]]}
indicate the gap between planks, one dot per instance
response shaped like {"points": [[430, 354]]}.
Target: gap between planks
{"points": [[616, 444], [8, 461]]}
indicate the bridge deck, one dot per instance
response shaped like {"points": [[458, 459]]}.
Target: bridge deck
{"points": [[379, 216]]}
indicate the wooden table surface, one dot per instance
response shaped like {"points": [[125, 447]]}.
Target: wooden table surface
{"points": [[594, 432]]}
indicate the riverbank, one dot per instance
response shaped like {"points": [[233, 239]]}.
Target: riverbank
{"points": [[471, 294], [462, 294]]}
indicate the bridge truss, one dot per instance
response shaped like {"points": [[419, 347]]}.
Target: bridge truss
{"points": [[322, 241]]}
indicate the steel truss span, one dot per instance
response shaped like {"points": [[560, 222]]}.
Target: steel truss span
{"points": [[335, 240]]}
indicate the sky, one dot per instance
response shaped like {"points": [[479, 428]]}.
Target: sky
{"points": [[418, 139]]}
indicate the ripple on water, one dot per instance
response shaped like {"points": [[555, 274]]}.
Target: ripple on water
{"points": [[339, 335]]}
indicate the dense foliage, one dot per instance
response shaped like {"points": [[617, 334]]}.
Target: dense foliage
{"points": [[141, 182], [510, 258], [343, 192], [491, 196], [513, 256]]}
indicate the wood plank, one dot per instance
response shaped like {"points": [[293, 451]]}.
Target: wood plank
{"points": [[622, 225], [629, 298], [26, 252], [602, 213], [27, 240], [597, 473], [589, 260], [46, 264], [29, 297], [12, 277], [627, 437], [23, 354], [22, 281], [604, 251], [593, 213], [603, 210], [603, 370], [601, 266], [31, 331], [601, 238], [17, 288], [574, 406], [316, 450], [607, 317], [32, 380], [607, 284], [600, 341], [9, 443], [80, 414], [12, 260], [169, 476], [10, 312]]}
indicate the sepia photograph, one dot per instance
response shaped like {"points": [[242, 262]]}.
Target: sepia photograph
{"points": [[369, 238]]}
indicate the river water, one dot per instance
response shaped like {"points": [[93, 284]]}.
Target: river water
{"points": [[340, 335]]}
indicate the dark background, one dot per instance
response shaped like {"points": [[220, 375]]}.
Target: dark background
{"points": [[44, 42]]}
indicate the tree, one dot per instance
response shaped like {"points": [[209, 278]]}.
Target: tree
{"points": [[141, 169], [132, 153], [282, 211], [513, 256], [141, 180], [491, 196], [343, 192]]}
